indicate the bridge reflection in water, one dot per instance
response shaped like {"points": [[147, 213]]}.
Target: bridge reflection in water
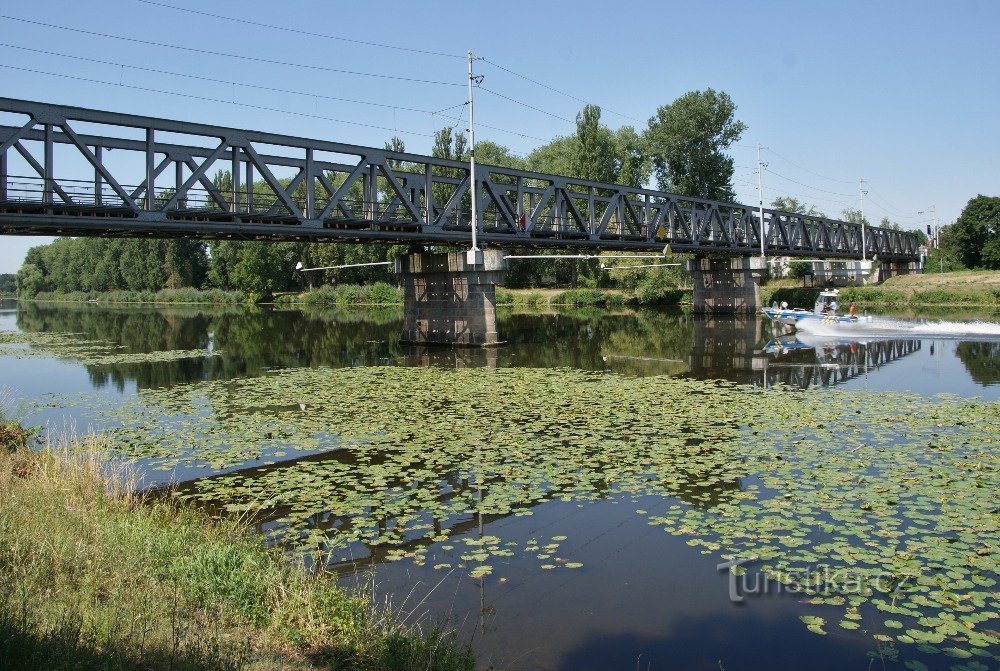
{"points": [[809, 361]]}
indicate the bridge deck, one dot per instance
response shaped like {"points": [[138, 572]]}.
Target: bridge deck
{"points": [[74, 171]]}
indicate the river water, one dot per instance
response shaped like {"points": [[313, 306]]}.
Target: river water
{"points": [[637, 599]]}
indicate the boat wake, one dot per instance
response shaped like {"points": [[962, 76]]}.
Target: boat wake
{"points": [[888, 327]]}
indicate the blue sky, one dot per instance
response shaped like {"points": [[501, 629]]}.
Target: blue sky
{"points": [[905, 95]]}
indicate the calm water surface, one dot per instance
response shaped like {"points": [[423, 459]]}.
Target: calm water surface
{"points": [[643, 599]]}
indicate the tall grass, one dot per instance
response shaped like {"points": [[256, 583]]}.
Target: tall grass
{"points": [[94, 576], [345, 295], [122, 296]]}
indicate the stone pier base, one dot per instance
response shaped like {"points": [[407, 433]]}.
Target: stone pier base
{"points": [[726, 286], [887, 269], [450, 299]]}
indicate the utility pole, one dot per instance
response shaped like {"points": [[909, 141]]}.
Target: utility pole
{"points": [[760, 193], [473, 255], [935, 242], [864, 248]]}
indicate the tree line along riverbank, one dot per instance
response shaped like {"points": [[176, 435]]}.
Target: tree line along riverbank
{"points": [[979, 289], [95, 576]]}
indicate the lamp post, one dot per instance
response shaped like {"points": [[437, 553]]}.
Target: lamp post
{"points": [[861, 188], [473, 255], [936, 240]]}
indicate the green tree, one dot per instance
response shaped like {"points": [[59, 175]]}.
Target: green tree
{"points": [[791, 204], [633, 163], [853, 216], [594, 153], [491, 153], [30, 280], [686, 141], [555, 158], [975, 236], [8, 284]]}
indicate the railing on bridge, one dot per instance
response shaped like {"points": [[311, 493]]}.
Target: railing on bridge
{"points": [[74, 171]]}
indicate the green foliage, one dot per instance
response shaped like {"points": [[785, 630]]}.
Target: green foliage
{"points": [[853, 216], [30, 280], [346, 295], [791, 204], [101, 581], [589, 298], [974, 238], [236, 577], [660, 289], [163, 296], [491, 153], [594, 155], [100, 264], [8, 284], [686, 141], [254, 267], [796, 297], [798, 269], [531, 299]]}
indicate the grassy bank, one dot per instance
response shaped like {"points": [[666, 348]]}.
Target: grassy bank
{"points": [[972, 289], [186, 295], [600, 298], [345, 295], [94, 577]]}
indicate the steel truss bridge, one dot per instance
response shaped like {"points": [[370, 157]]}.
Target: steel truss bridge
{"points": [[84, 172]]}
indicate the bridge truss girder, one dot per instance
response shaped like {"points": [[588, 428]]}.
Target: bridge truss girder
{"points": [[83, 172]]}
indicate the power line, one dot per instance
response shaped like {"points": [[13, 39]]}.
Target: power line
{"points": [[555, 90], [300, 32], [254, 59], [814, 188], [223, 81], [436, 113], [788, 160], [214, 100], [524, 104], [892, 210]]}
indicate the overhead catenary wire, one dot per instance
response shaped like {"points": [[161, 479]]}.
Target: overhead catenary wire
{"points": [[808, 186], [811, 172], [555, 90], [254, 59], [217, 80], [298, 31], [215, 100]]}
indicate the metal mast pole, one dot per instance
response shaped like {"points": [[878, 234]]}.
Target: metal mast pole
{"points": [[864, 249], [473, 185], [760, 193]]}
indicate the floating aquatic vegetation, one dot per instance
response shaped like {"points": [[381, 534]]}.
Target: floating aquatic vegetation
{"points": [[87, 352], [893, 495]]}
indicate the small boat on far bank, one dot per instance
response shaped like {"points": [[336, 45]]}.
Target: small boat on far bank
{"points": [[824, 313]]}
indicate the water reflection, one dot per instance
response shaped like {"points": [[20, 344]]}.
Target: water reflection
{"points": [[804, 361], [250, 341]]}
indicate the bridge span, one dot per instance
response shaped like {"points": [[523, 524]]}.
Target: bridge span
{"points": [[74, 171], [84, 172]]}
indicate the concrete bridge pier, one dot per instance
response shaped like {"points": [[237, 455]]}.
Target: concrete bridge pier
{"points": [[450, 298], [726, 285], [887, 269]]}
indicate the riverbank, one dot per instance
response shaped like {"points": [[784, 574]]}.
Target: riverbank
{"points": [[186, 295], [93, 576], [973, 289]]}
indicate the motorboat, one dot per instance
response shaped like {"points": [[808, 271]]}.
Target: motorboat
{"points": [[824, 313]]}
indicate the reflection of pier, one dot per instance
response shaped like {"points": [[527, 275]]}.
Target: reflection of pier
{"points": [[724, 344], [812, 361], [730, 348]]}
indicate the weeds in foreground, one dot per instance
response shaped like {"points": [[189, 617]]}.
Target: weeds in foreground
{"points": [[95, 576]]}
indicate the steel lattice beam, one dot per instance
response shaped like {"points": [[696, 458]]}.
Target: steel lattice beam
{"points": [[290, 188]]}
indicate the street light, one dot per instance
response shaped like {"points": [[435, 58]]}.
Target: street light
{"points": [[936, 240]]}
